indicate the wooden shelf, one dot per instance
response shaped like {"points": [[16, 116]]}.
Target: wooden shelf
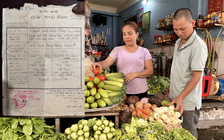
{"points": [[210, 26], [100, 45], [165, 43], [166, 28], [206, 26]]}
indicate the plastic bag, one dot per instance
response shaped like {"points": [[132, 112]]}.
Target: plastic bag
{"points": [[88, 62], [221, 87]]}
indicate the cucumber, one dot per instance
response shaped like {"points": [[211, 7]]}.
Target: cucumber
{"points": [[109, 78], [108, 101], [113, 83], [112, 94], [115, 99], [113, 88], [116, 74], [109, 91]]}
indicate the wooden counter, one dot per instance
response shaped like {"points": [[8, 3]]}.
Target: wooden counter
{"points": [[114, 113]]}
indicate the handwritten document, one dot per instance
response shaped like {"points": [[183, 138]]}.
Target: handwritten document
{"points": [[43, 61]]}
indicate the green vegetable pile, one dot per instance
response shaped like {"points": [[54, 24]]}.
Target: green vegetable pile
{"points": [[25, 128], [140, 129], [92, 129], [157, 84], [105, 92]]}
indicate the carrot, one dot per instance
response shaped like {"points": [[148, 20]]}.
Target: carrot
{"points": [[134, 113], [138, 112], [144, 116], [145, 111]]}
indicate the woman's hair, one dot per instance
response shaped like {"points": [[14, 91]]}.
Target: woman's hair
{"points": [[130, 23]]}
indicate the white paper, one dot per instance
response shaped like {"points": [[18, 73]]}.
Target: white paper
{"points": [[43, 61]]}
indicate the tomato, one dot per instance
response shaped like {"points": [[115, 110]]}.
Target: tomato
{"points": [[91, 78], [102, 77], [96, 71], [95, 86], [98, 77]]}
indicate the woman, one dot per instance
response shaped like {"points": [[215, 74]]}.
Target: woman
{"points": [[132, 60]]}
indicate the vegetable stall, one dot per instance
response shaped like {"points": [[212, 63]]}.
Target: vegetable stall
{"points": [[148, 118]]}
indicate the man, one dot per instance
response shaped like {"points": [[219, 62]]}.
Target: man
{"points": [[189, 58]]}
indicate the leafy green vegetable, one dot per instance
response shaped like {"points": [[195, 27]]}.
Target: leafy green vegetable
{"points": [[26, 128], [157, 84], [14, 123], [139, 129]]}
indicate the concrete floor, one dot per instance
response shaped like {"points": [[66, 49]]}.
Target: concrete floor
{"points": [[211, 134]]}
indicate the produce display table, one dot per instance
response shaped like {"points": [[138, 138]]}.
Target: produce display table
{"points": [[115, 113]]}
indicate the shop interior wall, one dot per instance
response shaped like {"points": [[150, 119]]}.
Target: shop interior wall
{"points": [[111, 23], [158, 11], [19, 3], [104, 28]]}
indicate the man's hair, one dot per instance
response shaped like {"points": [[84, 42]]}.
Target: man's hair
{"points": [[183, 12]]}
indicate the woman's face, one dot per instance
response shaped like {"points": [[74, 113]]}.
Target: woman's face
{"points": [[129, 35]]}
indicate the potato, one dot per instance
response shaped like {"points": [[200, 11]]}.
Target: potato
{"points": [[132, 100], [139, 105], [153, 107], [147, 106], [132, 107]]}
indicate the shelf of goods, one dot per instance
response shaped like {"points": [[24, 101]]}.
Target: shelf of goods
{"points": [[165, 43], [168, 39], [166, 28], [100, 45]]}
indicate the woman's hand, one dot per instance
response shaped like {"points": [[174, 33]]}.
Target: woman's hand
{"points": [[95, 65], [129, 76]]}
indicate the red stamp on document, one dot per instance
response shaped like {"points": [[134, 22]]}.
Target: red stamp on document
{"points": [[19, 101]]}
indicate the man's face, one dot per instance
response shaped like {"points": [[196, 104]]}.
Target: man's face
{"points": [[183, 28]]}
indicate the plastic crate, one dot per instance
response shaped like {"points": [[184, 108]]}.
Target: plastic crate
{"points": [[206, 85]]}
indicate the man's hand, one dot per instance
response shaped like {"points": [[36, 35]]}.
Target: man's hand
{"points": [[129, 76], [179, 104], [79, 8]]}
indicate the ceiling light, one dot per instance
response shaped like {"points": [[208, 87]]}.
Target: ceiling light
{"points": [[144, 2]]}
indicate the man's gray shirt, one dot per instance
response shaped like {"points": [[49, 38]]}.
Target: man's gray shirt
{"points": [[190, 57]]}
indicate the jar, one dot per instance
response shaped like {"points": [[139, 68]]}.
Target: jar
{"points": [[200, 22], [209, 21], [160, 40], [164, 38], [219, 16], [156, 38], [222, 16], [209, 16], [168, 21], [213, 17], [168, 37], [200, 17], [204, 22]]}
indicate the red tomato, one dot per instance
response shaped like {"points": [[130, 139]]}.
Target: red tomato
{"points": [[98, 77], [96, 71], [91, 78], [102, 77], [95, 86]]}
